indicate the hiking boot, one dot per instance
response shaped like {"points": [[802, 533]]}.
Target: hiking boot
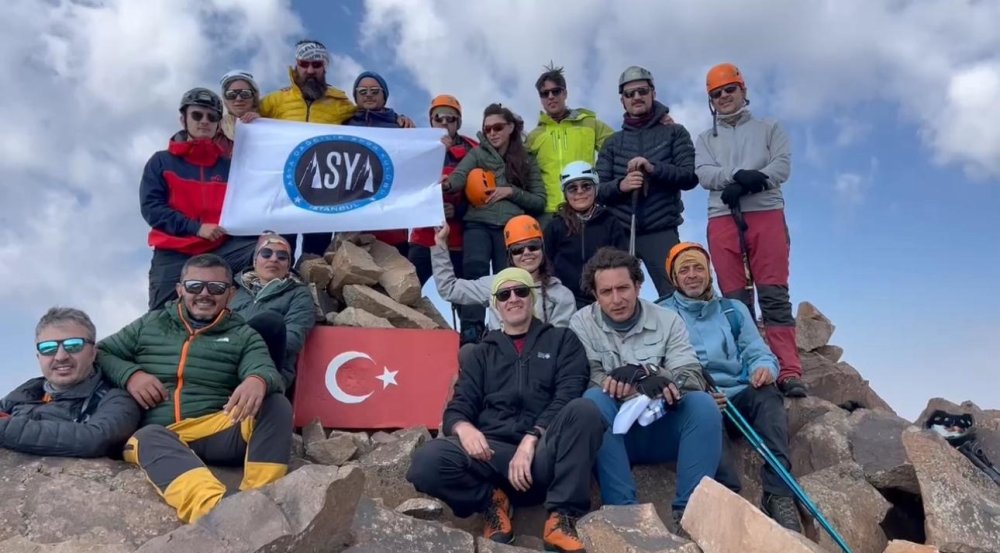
{"points": [[783, 510], [496, 519], [676, 516], [793, 387], [560, 534]]}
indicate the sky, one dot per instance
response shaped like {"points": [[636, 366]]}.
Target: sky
{"points": [[893, 205]]}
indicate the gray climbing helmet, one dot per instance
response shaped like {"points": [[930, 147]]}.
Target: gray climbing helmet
{"points": [[634, 73], [201, 97]]}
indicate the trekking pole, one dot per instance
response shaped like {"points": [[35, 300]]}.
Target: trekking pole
{"points": [[631, 236], [758, 444], [748, 286]]}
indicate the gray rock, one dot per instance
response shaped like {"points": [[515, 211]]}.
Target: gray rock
{"points": [[381, 437], [812, 329], [822, 443], [630, 529], [833, 353], [805, 410], [399, 276], [379, 529], [379, 305], [352, 265], [359, 318], [360, 439], [21, 545], [876, 440], [335, 450], [987, 423], [422, 508], [385, 467], [313, 432], [851, 505], [839, 383], [488, 546]]}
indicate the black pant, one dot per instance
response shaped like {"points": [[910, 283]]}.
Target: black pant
{"points": [[764, 409], [165, 267], [271, 327], [315, 243], [482, 245], [653, 248], [560, 471]]}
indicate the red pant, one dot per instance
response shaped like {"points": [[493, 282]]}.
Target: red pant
{"points": [[767, 248]]}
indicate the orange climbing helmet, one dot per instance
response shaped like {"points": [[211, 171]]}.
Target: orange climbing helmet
{"points": [[521, 229], [677, 250], [723, 74], [445, 101], [479, 185]]}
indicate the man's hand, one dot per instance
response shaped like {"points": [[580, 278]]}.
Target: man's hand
{"points": [[617, 390], [657, 385], [209, 231], [405, 122], [629, 374], [473, 441], [500, 193], [441, 235], [639, 163], [246, 399], [761, 377], [632, 181], [720, 400], [250, 117], [731, 194], [519, 470], [447, 141], [146, 389], [752, 181]]}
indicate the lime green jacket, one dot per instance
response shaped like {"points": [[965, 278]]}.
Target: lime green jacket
{"points": [[578, 137]]}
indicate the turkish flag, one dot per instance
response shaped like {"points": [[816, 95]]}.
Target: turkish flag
{"points": [[374, 378]]}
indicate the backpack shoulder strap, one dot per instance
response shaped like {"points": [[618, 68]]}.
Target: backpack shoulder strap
{"points": [[729, 310], [90, 404]]}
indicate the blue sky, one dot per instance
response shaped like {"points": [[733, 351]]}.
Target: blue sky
{"points": [[893, 204]]}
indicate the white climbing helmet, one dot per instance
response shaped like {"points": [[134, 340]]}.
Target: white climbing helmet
{"points": [[578, 170]]}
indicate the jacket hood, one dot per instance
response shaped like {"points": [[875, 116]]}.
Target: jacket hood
{"points": [[246, 280], [201, 152], [34, 389], [575, 114], [659, 110]]}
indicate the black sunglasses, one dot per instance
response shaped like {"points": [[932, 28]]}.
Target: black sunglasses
{"points": [[199, 115], [243, 94], [550, 92], [518, 249], [49, 348], [574, 188], [717, 93], [519, 291], [446, 119], [215, 287], [641, 91], [280, 255]]}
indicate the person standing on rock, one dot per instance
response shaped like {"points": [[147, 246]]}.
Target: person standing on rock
{"points": [[644, 168], [516, 189], [69, 411], [636, 346], [743, 162], [241, 96], [744, 370], [517, 428], [210, 391]]}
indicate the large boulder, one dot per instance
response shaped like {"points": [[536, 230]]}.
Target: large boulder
{"points": [[426, 307], [385, 467], [377, 529], [812, 329], [876, 440], [630, 529], [310, 510], [489, 546], [352, 316], [802, 411], [851, 505], [822, 443], [335, 450], [399, 276], [961, 504], [21, 545], [901, 546], [401, 316], [352, 265], [839, 383]]}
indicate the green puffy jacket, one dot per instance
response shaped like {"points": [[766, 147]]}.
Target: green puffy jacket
{"points": [[528, 198], [578, 137], [199, 368]]}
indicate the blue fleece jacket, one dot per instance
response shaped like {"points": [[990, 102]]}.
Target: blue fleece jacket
{"points": [[386, 118], [729, 361]]}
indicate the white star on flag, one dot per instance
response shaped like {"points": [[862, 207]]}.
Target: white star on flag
{"points": [[388, 377]]}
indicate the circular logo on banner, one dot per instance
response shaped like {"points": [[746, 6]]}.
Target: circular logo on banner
{"points": [[335, 173]]}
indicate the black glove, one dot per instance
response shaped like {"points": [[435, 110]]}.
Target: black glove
{"points": [[750, 180], [653, 385], [732, 194], [629, 374]]}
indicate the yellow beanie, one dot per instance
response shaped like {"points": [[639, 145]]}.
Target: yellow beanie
{"points": [[512, 274]]}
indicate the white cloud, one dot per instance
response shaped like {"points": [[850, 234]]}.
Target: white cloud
{"points": [[850, 187]]}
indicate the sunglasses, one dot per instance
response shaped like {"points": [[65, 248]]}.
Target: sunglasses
{"points": [[447, 119], [280, 255], [215, 287], [581, 188], [521, 248], [242, 94], [551, 92], [369, 91], [314, 64], [499, 127], [519, 291], [197, 116], [641, 91], [49, 348], [717, 93]]}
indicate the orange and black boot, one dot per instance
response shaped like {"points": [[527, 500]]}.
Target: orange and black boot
{"points": [[560, 534], [497, 525]]}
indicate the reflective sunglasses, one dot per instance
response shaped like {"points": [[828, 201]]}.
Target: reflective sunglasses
{"points": [[242, 94], [215, 287], [314, 64], [369, 91], [280, 255], [641, 91], [197, 116], [49, 348], [551, 92], [519, 249], [581, 188], [519, 291], [717, 93], [447, 119], [499, 127]]}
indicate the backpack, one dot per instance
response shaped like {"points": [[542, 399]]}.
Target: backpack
{"points": [[729, 310]]}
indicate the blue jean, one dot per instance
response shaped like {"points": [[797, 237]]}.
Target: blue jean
{"points": [[691, 435]]}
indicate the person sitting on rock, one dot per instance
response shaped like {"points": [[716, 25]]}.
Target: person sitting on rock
{"points": [[516, 427], [276, 303], [636, 346], [210, 390], [732, 352], [69, 411], [554, 303]]}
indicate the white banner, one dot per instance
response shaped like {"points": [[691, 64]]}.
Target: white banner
{"points": [[305, 177]]}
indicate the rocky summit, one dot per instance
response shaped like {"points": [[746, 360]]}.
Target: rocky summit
{"points": [[884, 482]]}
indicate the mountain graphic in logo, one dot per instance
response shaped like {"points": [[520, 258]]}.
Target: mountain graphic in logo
{"points": [[337, 173]]}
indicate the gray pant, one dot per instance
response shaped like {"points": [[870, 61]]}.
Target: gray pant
{"points": [[653, 248]]}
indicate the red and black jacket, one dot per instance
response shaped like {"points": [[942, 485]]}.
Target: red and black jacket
{"points": [[425, 236], [182, 188]]}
